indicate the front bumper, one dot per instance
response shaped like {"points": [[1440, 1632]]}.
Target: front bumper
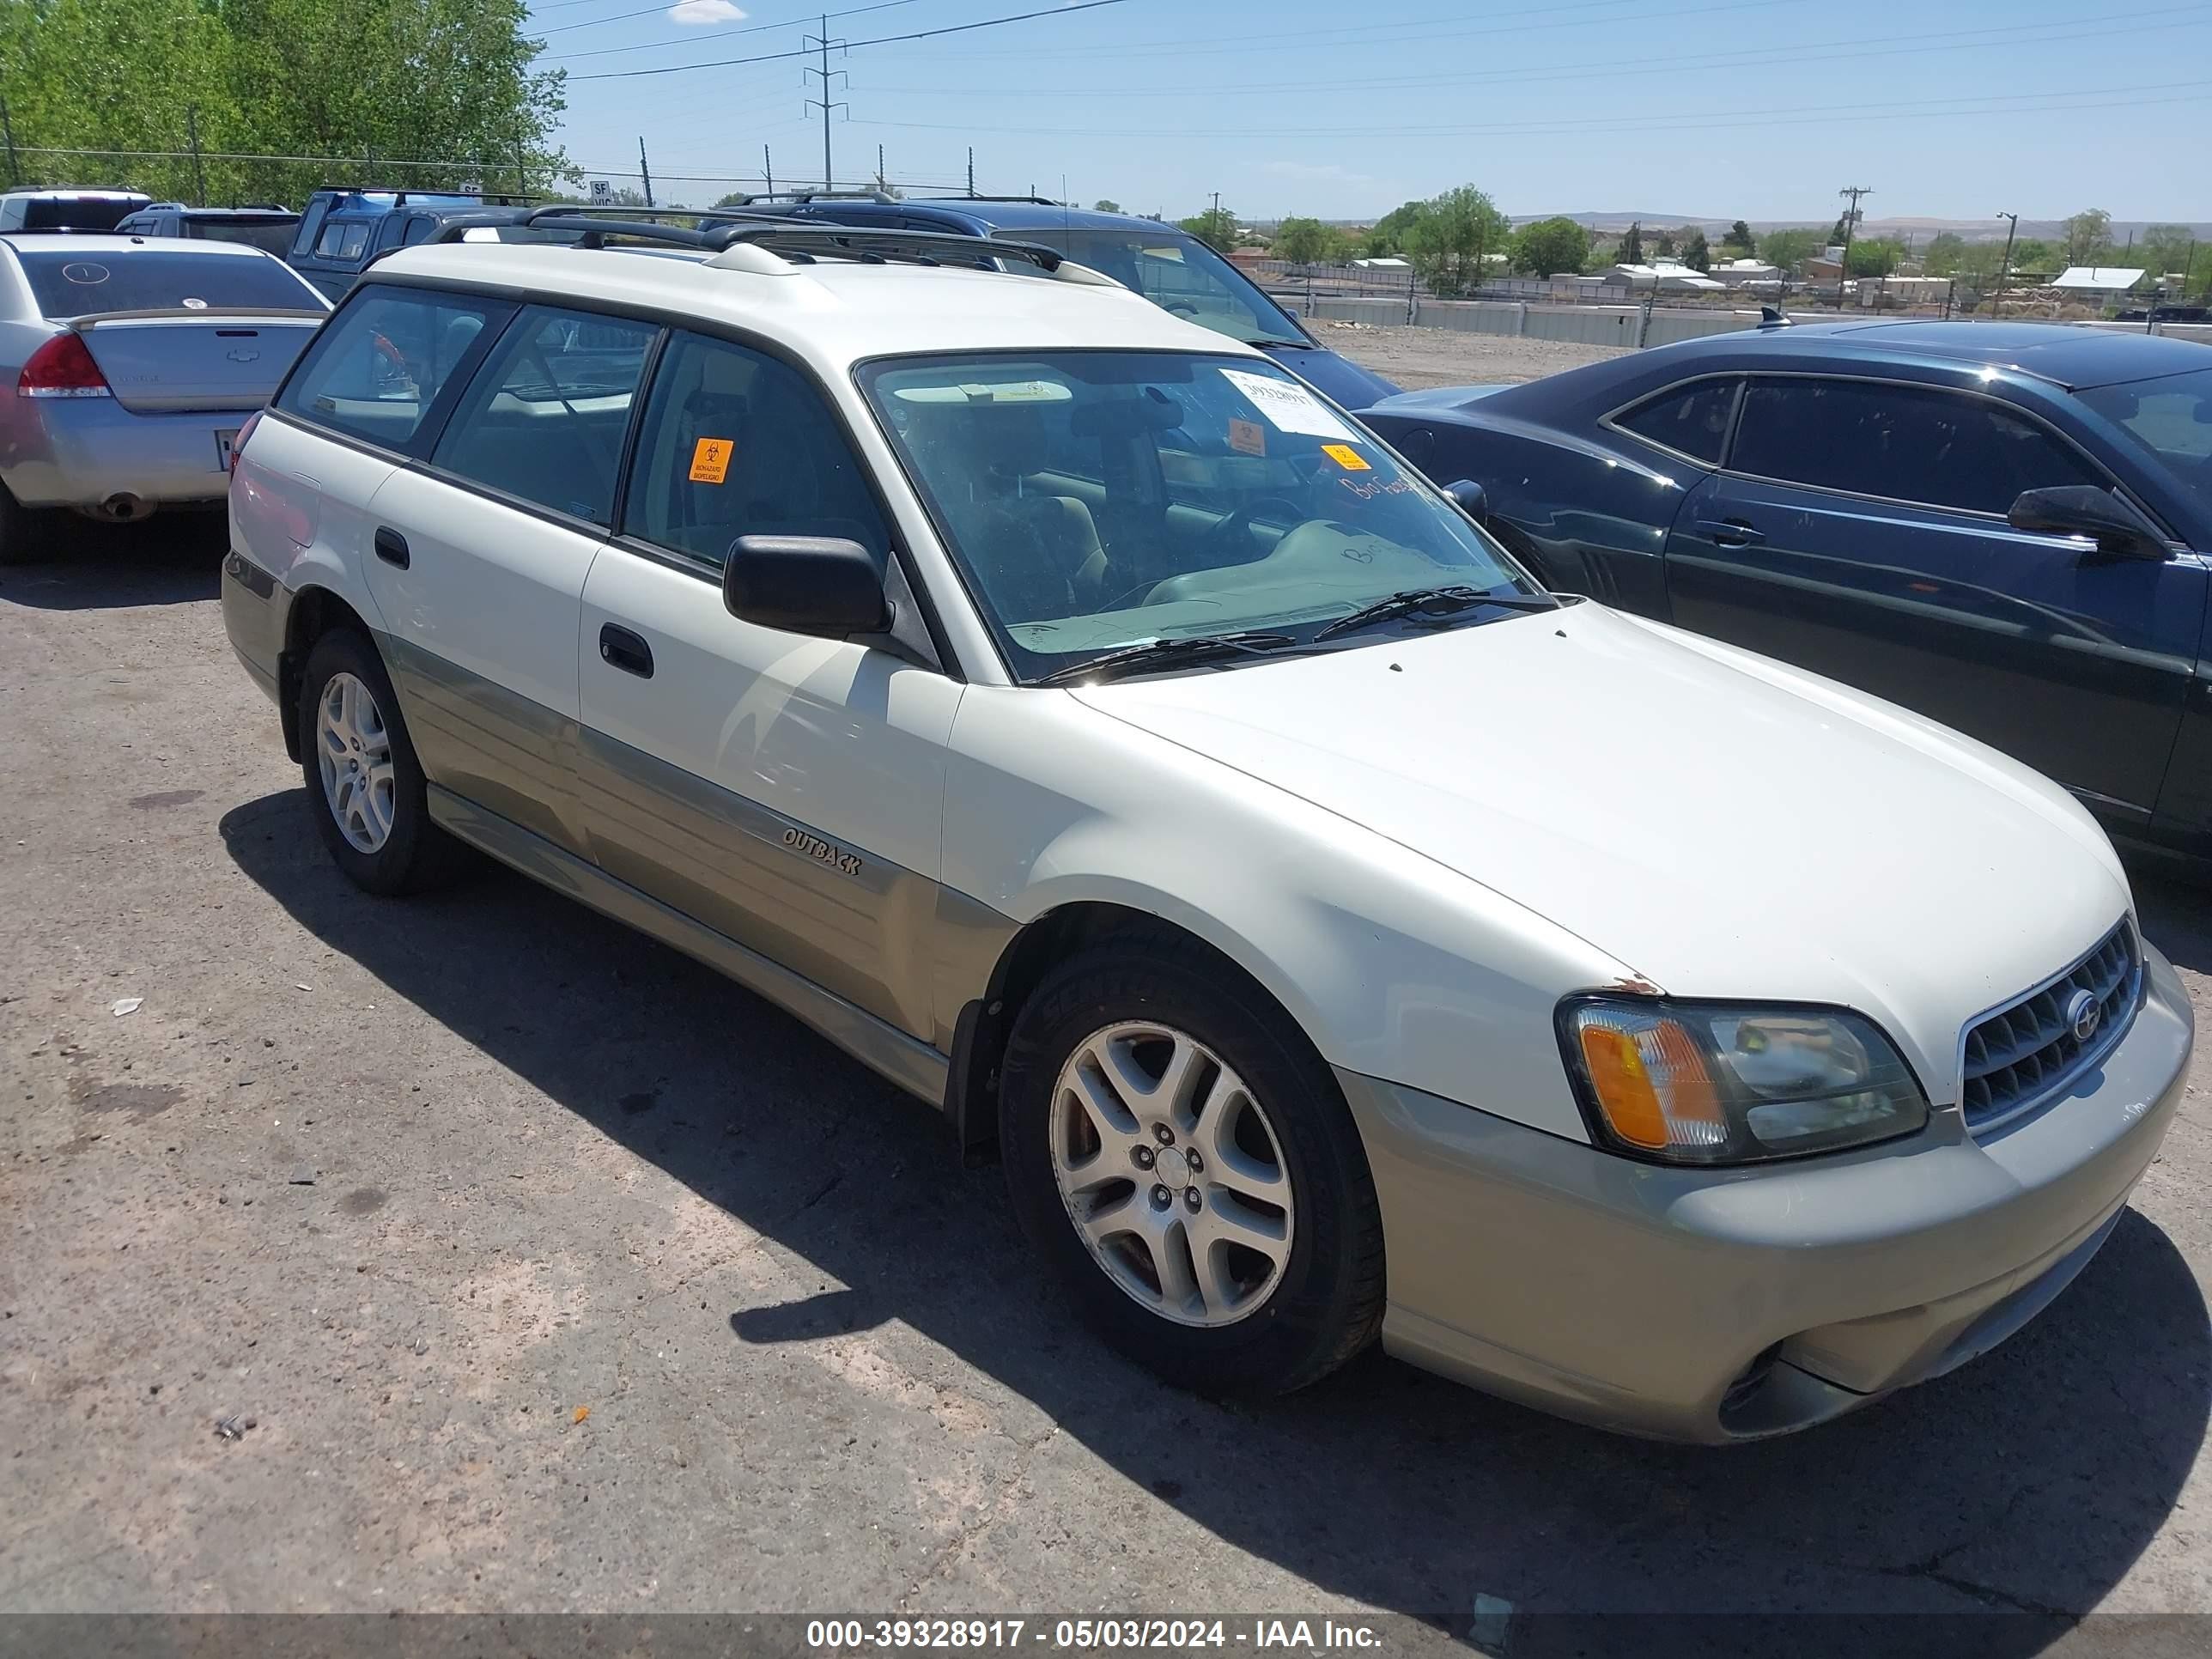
{"points": [[81, 452], [1722, 1305]]}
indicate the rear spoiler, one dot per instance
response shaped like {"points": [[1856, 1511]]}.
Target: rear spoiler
{"points": [[96, 318]]}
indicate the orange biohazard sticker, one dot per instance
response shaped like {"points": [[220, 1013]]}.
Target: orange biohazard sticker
{"points": [[710, 459], [1347, 457], [1248, 438]]}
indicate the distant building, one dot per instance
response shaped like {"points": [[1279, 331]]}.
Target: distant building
{"points": [[2097, 282], [1387, 264], [1736, 272], [1665, 278]]}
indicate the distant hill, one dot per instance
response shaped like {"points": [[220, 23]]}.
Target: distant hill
{"points": [[1919, 229]]}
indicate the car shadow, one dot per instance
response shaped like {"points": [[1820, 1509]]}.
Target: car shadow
{"points": [[172, 558], [2175, 908], [2018, 1490]]}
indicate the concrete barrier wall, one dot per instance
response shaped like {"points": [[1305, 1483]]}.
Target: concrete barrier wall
{"points": [[1600, 326]]}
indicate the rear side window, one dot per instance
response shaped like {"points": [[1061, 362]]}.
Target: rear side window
{"points": [[379, 364], [343, 239], [1691, 420], [77, 212], [545, 417], [158, 278], [736, 443], [1902, 443], [270, 235]]}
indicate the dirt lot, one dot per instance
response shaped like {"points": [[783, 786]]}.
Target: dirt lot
{"points": [[1416, 358], [557, 1274]]}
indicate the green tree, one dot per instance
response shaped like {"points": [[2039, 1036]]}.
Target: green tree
{"points": [[1449, 242], [1944, 254], [1874, 256], [2165, 250], [1696, 254], [1663, 246], [1631, 251], [1388, 237], [1307, 241], [1104, 204], [2089, 238], [1549, 246], [2036, 257], [1789, 249], [1739, 243], [1216, 228]]}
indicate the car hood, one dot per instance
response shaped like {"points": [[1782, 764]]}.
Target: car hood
{"points": [[1433, 399], [1336, 376], [1721, 824]]}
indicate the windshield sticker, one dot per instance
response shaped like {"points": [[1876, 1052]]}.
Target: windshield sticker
{"points": [[1002, 391], [1288, 406], [1248, 437], [1347, 457], [710, 459]]}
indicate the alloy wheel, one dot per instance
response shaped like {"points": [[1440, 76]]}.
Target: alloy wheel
{"points": [[353, 749]]}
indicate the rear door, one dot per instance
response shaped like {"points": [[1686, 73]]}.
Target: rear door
{"points": [[481, 552], [1858, 530]]}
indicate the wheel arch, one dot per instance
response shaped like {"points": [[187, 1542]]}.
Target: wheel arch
{"points": [[315, 611]]}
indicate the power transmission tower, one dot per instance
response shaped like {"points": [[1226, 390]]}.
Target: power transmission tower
{"points": [[1850, 224], [2004, 264], [822, 43]]}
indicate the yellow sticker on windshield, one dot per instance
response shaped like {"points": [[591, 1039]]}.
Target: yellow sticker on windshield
{"points": [[1248, 438], [710, 459], [1347, 457]]}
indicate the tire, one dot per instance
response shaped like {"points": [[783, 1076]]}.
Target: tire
{"points": [[19, 538], [377, 776], [1282, 1321]]}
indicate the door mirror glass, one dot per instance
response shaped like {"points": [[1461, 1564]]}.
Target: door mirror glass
{"points": [[826, 585], [1471, 499], [2110, 520]]}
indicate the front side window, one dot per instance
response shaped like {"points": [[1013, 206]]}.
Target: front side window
{"points": [[736, 443], [377, 367], [159, 277], [545, 416], [1901, 443], [1101, 500], [1691, 420], [1180, 274], [2172, 418]]}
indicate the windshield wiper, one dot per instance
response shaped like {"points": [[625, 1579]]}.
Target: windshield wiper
{"points": [[1167, 653], [1263, 341], [1441, 601]]}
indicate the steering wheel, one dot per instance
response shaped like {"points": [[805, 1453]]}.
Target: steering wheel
{"points": [[1237, 525], [1181, 307]]}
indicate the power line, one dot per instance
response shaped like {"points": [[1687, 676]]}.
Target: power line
{"points": [[879, 41], [696, 35]]}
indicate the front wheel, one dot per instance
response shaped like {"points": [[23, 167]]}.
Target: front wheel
{"points": [[1187, 1163], [365, 790]]}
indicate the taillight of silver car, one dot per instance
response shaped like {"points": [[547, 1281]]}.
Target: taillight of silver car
{"points": [[61, 368], [238, 443]]}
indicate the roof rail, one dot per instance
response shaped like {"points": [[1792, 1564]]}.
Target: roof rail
{"points": [[1037, 201], [808, 239], [881, 196], [401, 196]]}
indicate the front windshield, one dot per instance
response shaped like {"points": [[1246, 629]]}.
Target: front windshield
{"points": [[1180, 274], [2171, 416], [1099, 500]]}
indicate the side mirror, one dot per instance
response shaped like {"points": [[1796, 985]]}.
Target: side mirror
{"points": [[1471, 498], [2111, 521], [819, 585]]}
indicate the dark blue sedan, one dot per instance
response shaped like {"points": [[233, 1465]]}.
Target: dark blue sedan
{"points": [[1168, 267], [2004, 526]]}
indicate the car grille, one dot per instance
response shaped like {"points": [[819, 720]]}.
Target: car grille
{"points": [[2025, 1053]]}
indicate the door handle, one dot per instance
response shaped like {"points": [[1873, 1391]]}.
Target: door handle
{"points": [[1729, 532], [620, 648], [391, 546]]}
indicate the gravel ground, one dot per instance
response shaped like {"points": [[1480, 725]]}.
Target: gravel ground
{"points": [[1416, 358], [557, 1274]]}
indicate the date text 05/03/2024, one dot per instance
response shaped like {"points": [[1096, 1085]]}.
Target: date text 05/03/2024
{"points": [[1275, 1635]]}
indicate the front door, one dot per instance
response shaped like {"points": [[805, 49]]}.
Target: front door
{"points": [[1859, 532], [786, 791]]}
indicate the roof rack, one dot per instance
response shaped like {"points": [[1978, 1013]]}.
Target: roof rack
{"points": [[807, 240], [882, 197], [401, 197], [1037, 201]]}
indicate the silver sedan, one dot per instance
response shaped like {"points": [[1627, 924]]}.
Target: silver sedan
{"points": [[134, 362]]}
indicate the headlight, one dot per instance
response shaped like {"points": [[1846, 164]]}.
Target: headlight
{"points": [[1703, 1083]]}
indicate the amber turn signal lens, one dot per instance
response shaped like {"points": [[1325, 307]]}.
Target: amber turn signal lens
{"points": [[1651, 1083]]}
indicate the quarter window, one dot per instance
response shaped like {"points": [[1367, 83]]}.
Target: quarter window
{"points": [[379, 364], [735, 443], [1902, 443], [1691, 420], [545, 417]]}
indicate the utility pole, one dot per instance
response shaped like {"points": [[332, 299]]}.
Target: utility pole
{"points": [[7, 126], [199, 176], [1850, 224], [2004, 264], [822, 43], [971, 176], [767, 169], [879, 168], [645, 169]]}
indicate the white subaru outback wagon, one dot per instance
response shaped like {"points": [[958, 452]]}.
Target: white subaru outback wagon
{"points": [[1095, 730]]}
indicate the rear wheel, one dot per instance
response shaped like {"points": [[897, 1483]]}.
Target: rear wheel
{"points": [[365, 790], [1187, 1163]]}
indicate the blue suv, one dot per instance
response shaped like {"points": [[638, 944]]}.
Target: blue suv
{"points": [[1169, 267]]}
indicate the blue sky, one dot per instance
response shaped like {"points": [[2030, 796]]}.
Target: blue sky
{"points": [[1753, 108]]}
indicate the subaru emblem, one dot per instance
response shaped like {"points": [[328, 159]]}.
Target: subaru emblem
{"points": [[2084, 1014]]}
